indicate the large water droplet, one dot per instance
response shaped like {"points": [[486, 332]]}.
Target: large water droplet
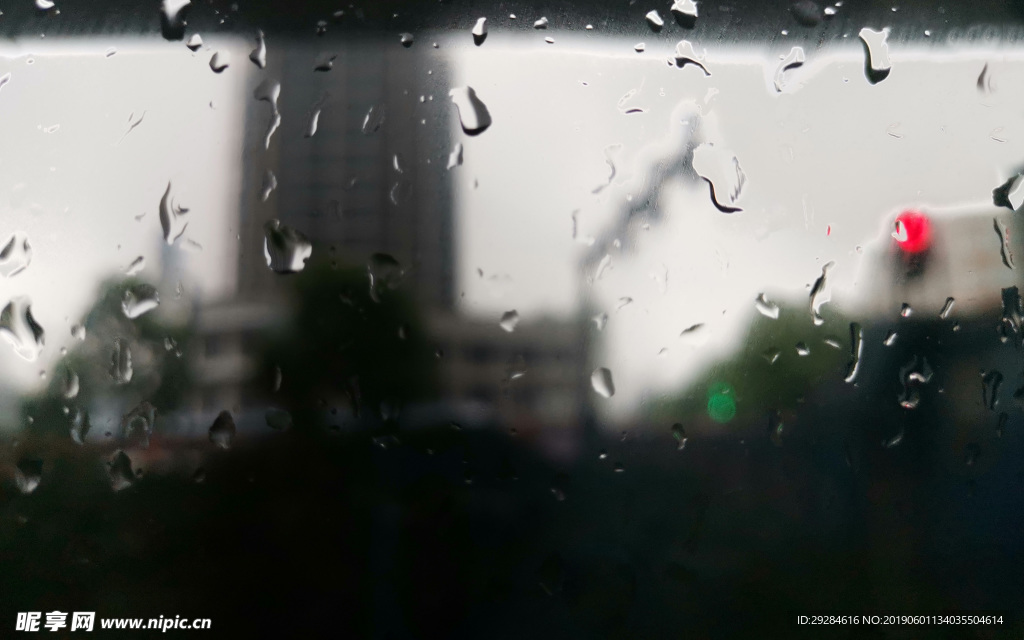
{"points": [[314, 120], [722, 171], [509, 320], [807, 13], [685, 54], [119, 470], [406, 39], [473, 113], [601, 380], [121, 362], [794, 59], [990, 383], [685, 13], [269, 184], [541, 23], [819, 294], [856, 351], [1013, 316], [219, 61], [877, 65], [28, 474], [137, 425], [654, 21], [455, 157], [172, 18], [195, 42], [1010, 194], [890, 338], [259, 54], [947, 308], [69, 384], [766, 307], [171, 217], [480, 31], [44, 5], [324, 62], [1005, 250], [139, 299], [285, 249], [15, 256], [20, 329], [913, 374], [80, 426], [385, 274], [222, 431], [374, 119], [269, 91]]}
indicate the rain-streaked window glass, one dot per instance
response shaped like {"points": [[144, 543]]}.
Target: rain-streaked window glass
{"points": [[497, 320]]}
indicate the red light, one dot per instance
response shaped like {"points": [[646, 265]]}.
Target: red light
{"points": [[913, 231]]}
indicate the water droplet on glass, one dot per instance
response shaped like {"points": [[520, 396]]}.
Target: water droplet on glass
{"points": [[172, 18], [685, 13], [509, 320], [119, 470], [549, 40], [947, 308], [121, 362], [314, 119], [171, 217], [195, 42], [385, 274], [44, 5], [137, 424], [990, 383], [695, 334], [374, 119], [819, 295], [890, 338], [219, 61], [473, 113], [269, 184], [480, 31], [324, 62], [139, 299], [771, 355], [685, 54], [69, 384], [984, 82], [639, 47], [80, 426], [877, 65], [269, 91], [1005, 250], [78, 332], [455, 157], [1010, 194], [680, 435], [28, 474], [722, 171], [600, 320], [766, 307], [776, 428], [223, 430], [541, 23], [278, 419], [285, 249], [601, 380], [654, 21], [802, 349], [278, 379], [1013, 316], [406, 39], [807, 13], [137, 265], [20, 329], [15, 256], [794, 59], [259, 54], [906, 310], [856, 351]]}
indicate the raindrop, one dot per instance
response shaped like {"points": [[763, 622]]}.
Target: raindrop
{"points": [[549, 40], [766, 307], [794, 59], [984, 83], [172, 18], [776, 428], [680, 435], [480, 31], [600, 320], [623, 301], [695, 334], [269, 91], [685, 54], [385, 274], [1010, 194], [619, 467], [819, 296], [856, 351], [374, 119], [80, 426], [509, 320], [877, 65], [771, 355], [473, 114], [69, 384], [195, 42], [78, 332], [314, 119], [971, 453], [455, 157], [916, 372], [1005, 250], [685, 12], [802, 349], [28, 474], [278, 379], [20, 329], [218, 61], [654, 21], [278, 419], [601, 380], [285, 249], [947, 308], [890, 338], [121, 362], [44, 5], [15, 256], [906, 310], [223, 430], [137, 424], [541, 23], [119, 470], [639, 47], [807, 13], [137, 265], [269, 184], [259, 54], [139, 299], [1013, 315], [171, 217], [990, 383], [324, 62], [722, 171], [406, 39]]}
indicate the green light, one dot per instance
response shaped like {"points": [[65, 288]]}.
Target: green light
{"points": [[721, 403]]}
